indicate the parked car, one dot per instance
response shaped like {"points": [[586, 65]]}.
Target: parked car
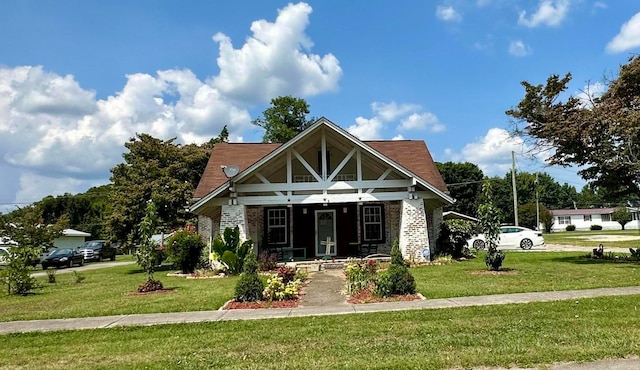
{"points": [[97, 250], [5, 250], [511, 236], [63, 257]]}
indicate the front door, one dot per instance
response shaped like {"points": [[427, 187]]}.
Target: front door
{"points": [[326, 232]]}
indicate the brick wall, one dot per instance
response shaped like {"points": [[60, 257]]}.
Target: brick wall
{"points": [[232, 216], [414, 233]]}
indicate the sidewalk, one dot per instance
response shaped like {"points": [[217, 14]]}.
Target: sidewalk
{"points": [[310, 310]]}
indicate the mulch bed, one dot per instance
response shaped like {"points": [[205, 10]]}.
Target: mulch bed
{"points": [[233, 305], [159, 291], [367, 296]]}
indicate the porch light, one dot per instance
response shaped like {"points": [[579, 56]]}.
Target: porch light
{"points": [[344, 209], [304, 211]]}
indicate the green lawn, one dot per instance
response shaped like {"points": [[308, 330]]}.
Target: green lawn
{"points": [[524, 335], [530, 272], [582, 238], [107, 291]]}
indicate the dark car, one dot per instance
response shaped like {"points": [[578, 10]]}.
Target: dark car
{"points": [[63, 257], [97, 250]]}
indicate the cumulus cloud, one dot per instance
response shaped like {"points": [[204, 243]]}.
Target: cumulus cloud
{"points": [[628, 37], [589, 92], [56, 136], [410, 117], [518, 48], [448, 14], [549, 13], [492, 152], [275, 61]]}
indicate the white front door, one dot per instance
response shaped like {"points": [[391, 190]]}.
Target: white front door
{"points": [[326, 232]]}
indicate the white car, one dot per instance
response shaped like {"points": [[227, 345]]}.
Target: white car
{"points": [[511, 236]]}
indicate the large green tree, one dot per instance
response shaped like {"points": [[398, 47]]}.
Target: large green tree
{"points": [[284, 119], [621, 215], [464, 181], [601, 133]]}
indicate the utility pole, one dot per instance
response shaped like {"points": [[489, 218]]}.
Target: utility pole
{"points": [[537, 205], [513, 184]]}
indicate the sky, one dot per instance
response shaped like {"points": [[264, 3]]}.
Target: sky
{"points": [[80, 78]]}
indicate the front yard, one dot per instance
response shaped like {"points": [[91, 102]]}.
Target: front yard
{"points": [[609, 238]]}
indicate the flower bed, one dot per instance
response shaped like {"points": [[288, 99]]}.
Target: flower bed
{"points": [[368, 296]]}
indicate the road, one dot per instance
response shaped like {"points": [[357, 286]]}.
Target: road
{"points": [[87, 266]]}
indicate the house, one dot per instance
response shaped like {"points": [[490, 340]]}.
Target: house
{"points": [[324, 194], [70, 239], [584, 218]]}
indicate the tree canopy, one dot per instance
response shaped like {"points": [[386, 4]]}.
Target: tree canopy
{"points": [[284, 119], [464, 181], [600, 133]]}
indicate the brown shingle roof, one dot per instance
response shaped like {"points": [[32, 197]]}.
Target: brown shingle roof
{"points": [[411, 154]]}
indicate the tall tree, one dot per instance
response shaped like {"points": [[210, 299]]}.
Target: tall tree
{"points": [[284, 119], [601, 134], [464, 181]]}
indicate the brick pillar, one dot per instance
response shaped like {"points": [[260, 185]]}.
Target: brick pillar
{"points": [[414, 233], [232, 216]]}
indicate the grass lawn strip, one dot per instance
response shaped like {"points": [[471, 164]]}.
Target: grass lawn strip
{"points": [[591, 238], [524, 335]]}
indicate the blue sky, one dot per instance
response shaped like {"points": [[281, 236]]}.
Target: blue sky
{"points": [[78, 78]]}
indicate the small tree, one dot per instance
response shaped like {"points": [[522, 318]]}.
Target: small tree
{"points": [[397, 279], [489, 224], [184, 248], [147, 254], [249, 288], [621, 215]]}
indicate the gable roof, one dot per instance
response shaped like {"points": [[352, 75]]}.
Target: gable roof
{"points": [[411, 157]]}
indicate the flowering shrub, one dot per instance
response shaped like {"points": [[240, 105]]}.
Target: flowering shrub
{"points": [[276, 290], [287, 274], [360, 275]]}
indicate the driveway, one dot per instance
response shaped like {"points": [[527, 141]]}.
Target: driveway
{"points": [[87, 266]]}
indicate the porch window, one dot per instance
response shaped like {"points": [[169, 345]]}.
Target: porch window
{"points": [[373, 223], [277, 225], [606, 217]]}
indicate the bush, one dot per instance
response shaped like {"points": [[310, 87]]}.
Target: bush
{"points": [[397, 279], [249, 287], [360, 275], [494, 260], [571, 228], [596, 227], [277, 290], [287, 274], [267, 261], [453, 238], [184, 248], [230, 245], [150, 285]]}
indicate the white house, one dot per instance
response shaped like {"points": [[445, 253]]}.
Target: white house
{"points": [[324, 193], [584, 218], [70, 239]]}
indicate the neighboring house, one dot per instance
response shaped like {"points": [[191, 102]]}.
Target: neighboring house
{"points": [[584, 218], [452, 215], [324, 184], [160, 239], [70, 239]]}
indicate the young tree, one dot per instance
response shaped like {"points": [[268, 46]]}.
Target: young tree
{"points": [[286, 117], [601, 133], [621, 215], [147, 254], [489, 225]]}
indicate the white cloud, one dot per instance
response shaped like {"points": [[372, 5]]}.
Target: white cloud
{"points": [[628, 37], [422, 121], [273, 62], [518, 48], [448, 14], [392, 111], [598, 5], [482, 3], [56, 137], [492, 152], [589, 92], [366, 128], [549, 13], [398, 137]]}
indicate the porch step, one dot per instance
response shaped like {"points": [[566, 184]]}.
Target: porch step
{"points": [[333, 265]]}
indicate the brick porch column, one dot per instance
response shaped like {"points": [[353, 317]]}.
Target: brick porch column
{"points": [[414, 233], [232, 216]]}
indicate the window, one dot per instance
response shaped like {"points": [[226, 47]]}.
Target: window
{"points": [[564, 220], [606, 217], [587, 218], [372, 223], [277, 225]]}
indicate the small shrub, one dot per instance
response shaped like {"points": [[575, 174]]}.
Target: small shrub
{"points": [[453, 237], [571, 228], [397, 279], [51, 276], [302, 275], [360, 275], [267, 261], [494, 260], [635, 253], [184, 249], [396, 255], [79, 277], [249, 287], [287, 274], [150, 285], [384, 284], [596, 227], [277, 290]]}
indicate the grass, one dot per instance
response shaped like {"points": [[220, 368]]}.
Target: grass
{"points": [[581, 238], [107, 292], [512, 335], [529, 272]]}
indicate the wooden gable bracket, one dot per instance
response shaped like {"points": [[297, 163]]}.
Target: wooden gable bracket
{"points": [[265, 181], [382, 177]]}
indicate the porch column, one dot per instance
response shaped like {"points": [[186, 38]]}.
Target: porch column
{"points": [[232, 216], [414, 233]]}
